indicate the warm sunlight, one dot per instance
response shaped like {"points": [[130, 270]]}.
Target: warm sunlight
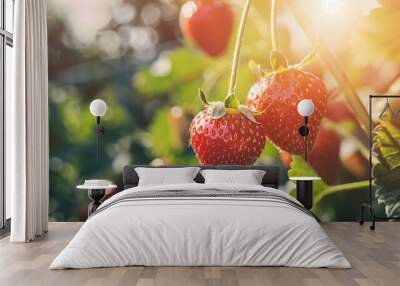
{"points": [[331, 6]]}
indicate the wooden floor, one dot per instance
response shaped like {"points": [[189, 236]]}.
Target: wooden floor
{"points": [[375, 257]]}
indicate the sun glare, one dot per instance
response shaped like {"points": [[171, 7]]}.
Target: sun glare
{"points": [[331, 7]]}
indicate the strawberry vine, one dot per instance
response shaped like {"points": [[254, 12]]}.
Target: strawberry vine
{"points": [[231, 100], [274, 12], [217, 110]]}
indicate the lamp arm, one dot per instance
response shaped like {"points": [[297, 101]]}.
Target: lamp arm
{"points": [[305, 138], [97, 137], [304, 131], [99, 132]]}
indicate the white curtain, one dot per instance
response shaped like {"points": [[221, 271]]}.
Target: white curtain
{"points": [[27, 124]]}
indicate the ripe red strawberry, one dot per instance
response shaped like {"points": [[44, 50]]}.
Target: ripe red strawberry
{"points": [[226, 133], [278, 96], [209, 23], [232, 139]]}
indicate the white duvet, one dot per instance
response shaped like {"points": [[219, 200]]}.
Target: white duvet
{"points": [[200, 231]]}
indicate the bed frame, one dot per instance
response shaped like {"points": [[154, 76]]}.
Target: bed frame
{"points": [[271, 178]]}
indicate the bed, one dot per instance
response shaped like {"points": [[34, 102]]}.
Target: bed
{"points": [[198, 224]]}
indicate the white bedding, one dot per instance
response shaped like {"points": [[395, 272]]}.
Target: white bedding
{"points": [[185, 231]]}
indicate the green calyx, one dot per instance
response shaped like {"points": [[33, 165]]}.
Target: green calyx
{"points": [[203, 97], [279, 64], [278, 61], [217, 109], [232, 102]]}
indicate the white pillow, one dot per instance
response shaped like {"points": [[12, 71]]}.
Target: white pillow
{"points": [[248, 177], [166, 176]]}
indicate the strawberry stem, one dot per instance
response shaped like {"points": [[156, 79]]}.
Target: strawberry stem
{"points": [[277, 60], [230, 99], [274, 13]]}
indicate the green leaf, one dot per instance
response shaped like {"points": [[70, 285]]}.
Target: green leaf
{"points": [[333, 203], [186, 96], [378, 35], [168, 138], [162, 135], [170, 71], [269, 153], [386, 172]]}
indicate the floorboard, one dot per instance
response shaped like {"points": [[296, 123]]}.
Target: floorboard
{"points": [[375, 257]]}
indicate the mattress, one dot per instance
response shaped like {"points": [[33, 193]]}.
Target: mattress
{"points": [[201, 225]]}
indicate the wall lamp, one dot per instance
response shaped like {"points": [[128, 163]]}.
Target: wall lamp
{"points": [[98, 108]]}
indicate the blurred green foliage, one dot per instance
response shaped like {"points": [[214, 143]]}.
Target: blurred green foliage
{"points": [[149, 78]]}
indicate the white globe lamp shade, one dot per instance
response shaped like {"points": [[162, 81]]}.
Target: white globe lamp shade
{"points": [[98, 107], [305, 107]]}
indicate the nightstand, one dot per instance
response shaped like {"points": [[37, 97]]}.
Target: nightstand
{"points": [[304, 190], [96, 191]]}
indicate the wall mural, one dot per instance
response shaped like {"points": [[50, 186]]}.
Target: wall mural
{"points": [[176, 94]]}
